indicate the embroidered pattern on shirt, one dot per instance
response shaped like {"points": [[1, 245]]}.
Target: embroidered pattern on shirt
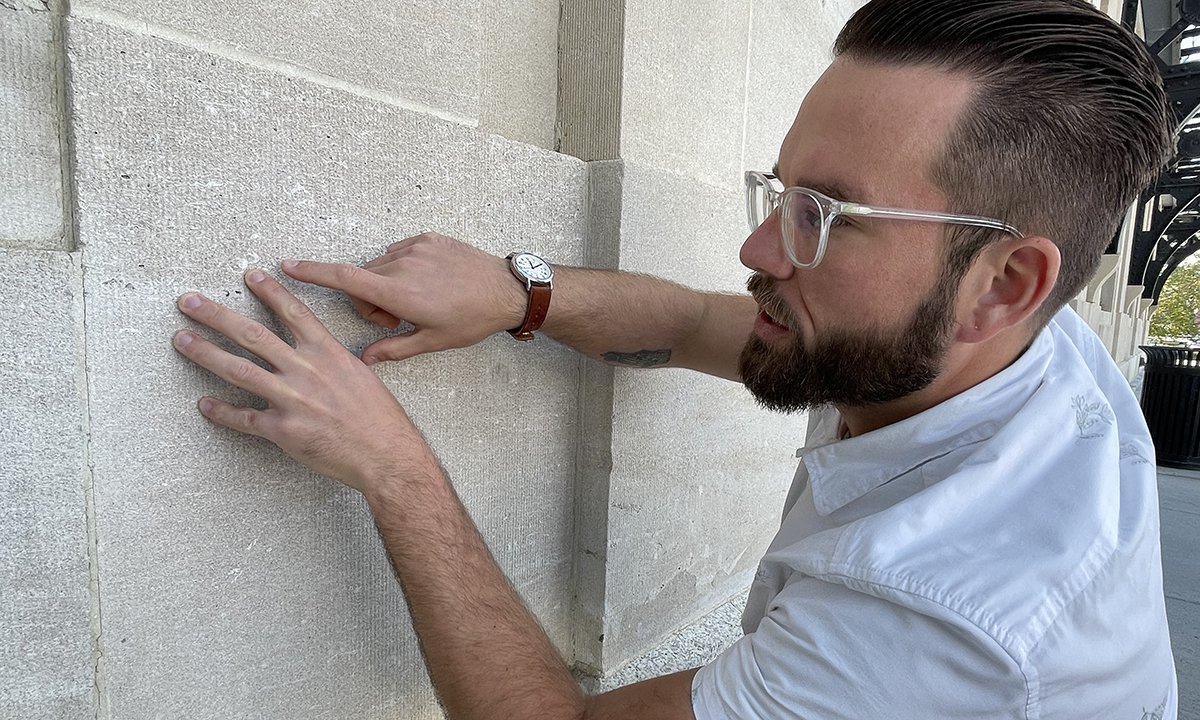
{"points": [[1089, 415], [1133, 450], [1156, 713]]}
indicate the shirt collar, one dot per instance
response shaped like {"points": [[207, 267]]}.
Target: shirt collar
{"points": [[843, 471]]}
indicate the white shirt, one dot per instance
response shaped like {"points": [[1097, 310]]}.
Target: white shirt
{"points": [[996, 556]]}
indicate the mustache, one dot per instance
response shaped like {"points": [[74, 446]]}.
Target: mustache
{"points": [[762, 289]]}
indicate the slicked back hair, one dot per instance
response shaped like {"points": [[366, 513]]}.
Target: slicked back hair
{"points": [[1068, 125]]}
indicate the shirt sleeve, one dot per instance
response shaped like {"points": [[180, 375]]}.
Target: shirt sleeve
{"points": [[826, 651]]}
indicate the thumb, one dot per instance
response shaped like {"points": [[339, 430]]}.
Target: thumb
{"points": [[350, 279], [399, 347]]}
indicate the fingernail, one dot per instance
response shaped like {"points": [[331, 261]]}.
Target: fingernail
{"points": [[206, 405], [290, 264], [256, 276], [369, 360], [184, 339], [191, 301]]}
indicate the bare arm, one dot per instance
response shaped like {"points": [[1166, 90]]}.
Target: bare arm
{"points": [[456, 295], [635, 320], [486, 654]]}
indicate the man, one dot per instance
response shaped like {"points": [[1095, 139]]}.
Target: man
{"points": [[972, 533]]}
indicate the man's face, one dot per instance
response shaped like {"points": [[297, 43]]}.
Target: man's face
{"points": [[873, 322]]}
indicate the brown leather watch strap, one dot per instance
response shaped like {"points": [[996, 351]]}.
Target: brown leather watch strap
{"points": [[535, 313]]}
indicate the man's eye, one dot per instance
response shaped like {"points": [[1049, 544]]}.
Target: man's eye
{"points": [[839, 221]]}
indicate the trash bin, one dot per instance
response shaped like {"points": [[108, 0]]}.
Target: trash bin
{"points": [[1171, 404]]}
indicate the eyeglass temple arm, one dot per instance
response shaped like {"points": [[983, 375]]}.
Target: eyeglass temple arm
{"points": [[864, 211]]}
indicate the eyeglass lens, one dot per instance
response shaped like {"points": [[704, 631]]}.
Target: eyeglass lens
{"points": [[801, 220]]}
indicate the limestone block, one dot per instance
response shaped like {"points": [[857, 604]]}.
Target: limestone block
{"points": [[696, 645], [519, 87], [424, 51], [685, 87], [236, 584], [791, 44], [46, 667], [699, 472], [31, 195]]}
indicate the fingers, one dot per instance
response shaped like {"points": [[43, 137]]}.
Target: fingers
{"points": [[400, 347], [380, 317], [246, 420], [238, 328], [297, 316], [410, 241], [354, 281], [232, 369]]}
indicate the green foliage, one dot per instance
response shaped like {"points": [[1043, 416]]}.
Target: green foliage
{"points": [[1175, 317]]}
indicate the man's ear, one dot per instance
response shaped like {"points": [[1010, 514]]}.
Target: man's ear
{"points": [[1007, 284]]}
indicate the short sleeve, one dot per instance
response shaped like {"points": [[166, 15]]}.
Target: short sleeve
{"points": [[826, 651]]}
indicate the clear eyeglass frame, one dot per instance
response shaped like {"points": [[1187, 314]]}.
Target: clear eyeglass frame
{"points": [[765, 194]]}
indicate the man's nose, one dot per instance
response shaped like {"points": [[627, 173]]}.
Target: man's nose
{"points": [[763, 250]]}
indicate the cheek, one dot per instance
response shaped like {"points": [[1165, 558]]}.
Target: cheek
{"points": [[868, 297]]}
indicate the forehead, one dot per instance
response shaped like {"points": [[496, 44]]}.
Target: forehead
{"points": [[872, 132]]}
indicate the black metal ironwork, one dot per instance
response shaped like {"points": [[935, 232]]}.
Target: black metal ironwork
{"points": [[1173, 203]]}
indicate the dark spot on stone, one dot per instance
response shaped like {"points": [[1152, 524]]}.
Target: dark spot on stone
{"points": [[125, 176]]}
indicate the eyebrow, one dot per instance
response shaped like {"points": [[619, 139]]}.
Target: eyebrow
{"points": [[833, 190]]}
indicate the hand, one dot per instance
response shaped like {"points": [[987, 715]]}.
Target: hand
{"points": [[453, 294], [326, 408]]}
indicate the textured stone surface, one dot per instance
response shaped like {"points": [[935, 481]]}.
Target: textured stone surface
{"points": [[236, 584], [696, 645], [31, 196], [686, 449], [520, 70], [684, 87], [591, 68], [424, 51], [791, 44], [45, 606]]}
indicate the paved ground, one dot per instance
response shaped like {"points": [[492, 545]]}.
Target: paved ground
{"points": [[1179, 495]]}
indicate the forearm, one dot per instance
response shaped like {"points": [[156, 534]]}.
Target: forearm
{"points": [[635, 320], [487, 655]]}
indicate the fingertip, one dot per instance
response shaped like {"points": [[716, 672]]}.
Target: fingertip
{"points": [[289, 264], [206, 405], [255, 276], [189, 301]]}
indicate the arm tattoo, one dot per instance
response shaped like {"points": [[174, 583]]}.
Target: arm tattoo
{"points": [[641, 359]]}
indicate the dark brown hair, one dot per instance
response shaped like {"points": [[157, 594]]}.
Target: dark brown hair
{"points": [[1069, 124]]}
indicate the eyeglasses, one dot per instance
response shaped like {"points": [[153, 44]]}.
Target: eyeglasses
{"points": [[807, 216]]}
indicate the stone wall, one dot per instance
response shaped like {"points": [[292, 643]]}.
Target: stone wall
{"points": [[153, 565]]}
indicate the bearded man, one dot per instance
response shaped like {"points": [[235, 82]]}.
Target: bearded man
{"points": [[973, 530]]}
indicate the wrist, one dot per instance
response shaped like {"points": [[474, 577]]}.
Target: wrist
{"points": [[514, 298], [537, 276]]}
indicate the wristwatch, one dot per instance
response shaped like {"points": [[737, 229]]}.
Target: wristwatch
{"points": [[537, 275]]}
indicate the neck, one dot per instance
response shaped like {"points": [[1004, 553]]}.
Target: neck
{"points": [[966, 365]]}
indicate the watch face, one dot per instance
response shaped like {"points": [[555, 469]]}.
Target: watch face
{"points": [[533, 267]]}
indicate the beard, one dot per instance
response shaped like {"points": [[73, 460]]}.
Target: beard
{"points": [[852, 368]]}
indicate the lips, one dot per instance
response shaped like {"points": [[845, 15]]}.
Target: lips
{"points": [[774, 316], [767, 313]]}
